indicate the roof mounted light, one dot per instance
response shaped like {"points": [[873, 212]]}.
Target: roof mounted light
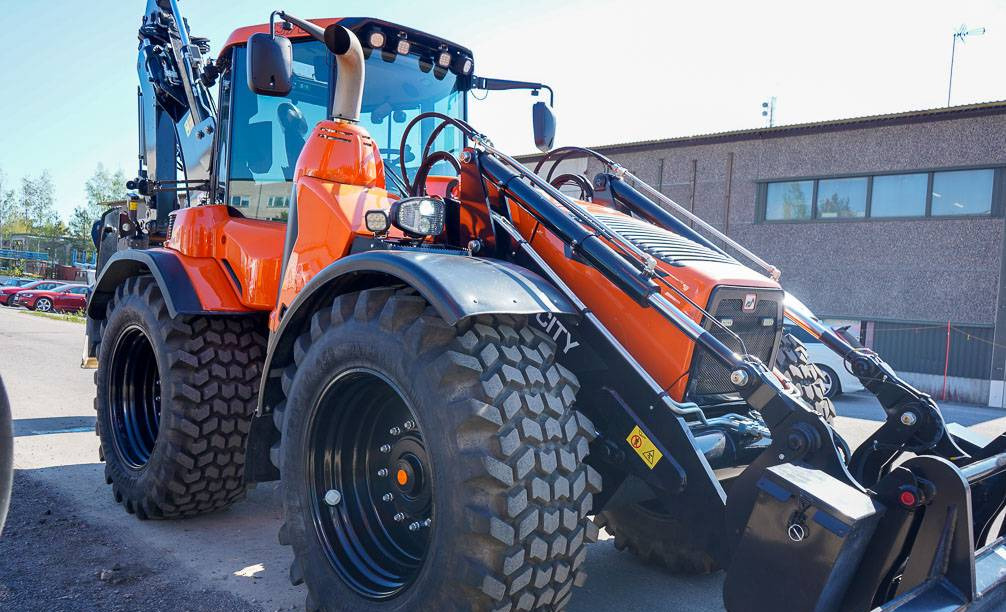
{"points": [[463, 65], [404, 46], [444, 58], [376, 39]]}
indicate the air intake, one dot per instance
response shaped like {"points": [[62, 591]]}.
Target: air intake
{"points": [[660, 243]]}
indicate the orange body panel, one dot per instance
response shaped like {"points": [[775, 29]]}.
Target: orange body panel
{"points": [[339, 177], [240, 36], [207, 237], [660, 348]]}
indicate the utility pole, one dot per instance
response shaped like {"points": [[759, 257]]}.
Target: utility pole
{"points": [[768, 110], [961, 34]]}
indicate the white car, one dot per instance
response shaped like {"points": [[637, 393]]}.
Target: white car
{"points": [[837, 379]]}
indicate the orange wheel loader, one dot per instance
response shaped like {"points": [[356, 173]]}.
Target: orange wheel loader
{"points": [[458, 371]]}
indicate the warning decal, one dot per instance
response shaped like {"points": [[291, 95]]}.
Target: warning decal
{"points": [[644, 448]]}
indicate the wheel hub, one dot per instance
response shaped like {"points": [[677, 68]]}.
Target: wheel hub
{"points": [[366, 445]]}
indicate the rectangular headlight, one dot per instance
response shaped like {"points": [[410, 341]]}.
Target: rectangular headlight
{"points": [[420, 216]]}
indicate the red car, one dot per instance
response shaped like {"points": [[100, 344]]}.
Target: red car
{"points": [[40, 285], [62, 298]]}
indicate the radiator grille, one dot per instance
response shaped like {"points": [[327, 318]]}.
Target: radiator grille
{"points": [[661, 243], [171, 226], [707, 375]]}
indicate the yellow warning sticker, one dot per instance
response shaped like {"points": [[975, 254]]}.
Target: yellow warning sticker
{"points": [[644, 448]]}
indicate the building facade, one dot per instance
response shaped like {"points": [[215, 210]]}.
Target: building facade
{"points": [[892, 224]]}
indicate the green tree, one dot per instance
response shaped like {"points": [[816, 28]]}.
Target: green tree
{"points": [[36, 202], [80, 226], [104, 186]]}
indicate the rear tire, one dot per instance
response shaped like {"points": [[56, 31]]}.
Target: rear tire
{"points": [[657, 538], [794, 362], [493, 414], [175, 398]]}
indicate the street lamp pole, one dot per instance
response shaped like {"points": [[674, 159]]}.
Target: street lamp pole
{"points": [[961, 34]]}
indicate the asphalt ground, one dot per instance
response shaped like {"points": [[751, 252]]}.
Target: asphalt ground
{"points": [[69, 547]]}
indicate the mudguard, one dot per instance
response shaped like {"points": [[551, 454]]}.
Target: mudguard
{"points": [[169, 271], [457, 286]]}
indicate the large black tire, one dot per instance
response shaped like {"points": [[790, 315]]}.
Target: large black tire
{"points": [[510, 493], [657, 538], [199, 397], [6, 455], [795, 364]]}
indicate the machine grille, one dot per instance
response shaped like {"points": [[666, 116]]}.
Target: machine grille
{"points": [[171, 226], [660, 243], [708, 376]]}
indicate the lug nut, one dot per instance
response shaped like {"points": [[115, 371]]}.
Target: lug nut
{"points": [[333, 497], [415, 527], [395, 431], [909, 418], [399, 517], [388, 497], [409, 425], [385, 448], [383, 472], [739, 378]]}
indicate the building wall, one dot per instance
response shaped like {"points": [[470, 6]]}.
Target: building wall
{"points": [[911, 270]]}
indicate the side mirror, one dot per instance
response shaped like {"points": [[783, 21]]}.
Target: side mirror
{"points": [[543, 122], [270, 64]]}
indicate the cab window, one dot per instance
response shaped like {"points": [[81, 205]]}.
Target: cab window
{"points": [[269, 132]]}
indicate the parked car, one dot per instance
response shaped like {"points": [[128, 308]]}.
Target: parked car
{"points": [[16, 282], [837, 379], [6, 293], [72, 298], [62, 297]]}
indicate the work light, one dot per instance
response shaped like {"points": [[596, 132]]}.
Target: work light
{"points": [[444, 59], [376, 39], [404, 46], [376, 221], [420, 216]]}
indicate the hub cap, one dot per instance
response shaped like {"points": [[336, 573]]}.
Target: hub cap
{"points": [[365, 445], [134, 397]]}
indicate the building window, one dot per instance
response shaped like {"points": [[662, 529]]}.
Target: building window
{"points": [[789, 201], [940, 193], [240, 202], [841, 198], [278, 202], [962, 192], [899, 195]]}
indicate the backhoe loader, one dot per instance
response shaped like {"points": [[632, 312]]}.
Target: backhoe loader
{"points": [[458, 371]]}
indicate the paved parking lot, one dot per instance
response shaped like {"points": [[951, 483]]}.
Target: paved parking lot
{"points": [[70, 547]]}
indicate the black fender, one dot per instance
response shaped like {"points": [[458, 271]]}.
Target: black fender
{"points": [[167, 270], [457, 286]]}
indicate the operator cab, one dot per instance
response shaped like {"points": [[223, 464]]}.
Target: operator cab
{"points": [[407, 73]]}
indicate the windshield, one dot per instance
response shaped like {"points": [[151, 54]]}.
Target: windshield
{"points": [[269, 132]]}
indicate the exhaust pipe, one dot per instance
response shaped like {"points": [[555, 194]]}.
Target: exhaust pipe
{"points": [[349, 63]]}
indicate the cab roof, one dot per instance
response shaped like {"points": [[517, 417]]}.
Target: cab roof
{"points": [[359, 25]]}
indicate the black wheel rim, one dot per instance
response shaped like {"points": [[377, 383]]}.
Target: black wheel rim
{"points": [[134, 397], [368, 456]]}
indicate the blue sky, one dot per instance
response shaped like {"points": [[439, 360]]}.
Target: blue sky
{"points": [[622, 71]]}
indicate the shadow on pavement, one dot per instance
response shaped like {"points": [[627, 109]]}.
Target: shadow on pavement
{"points": [[53, 425]]}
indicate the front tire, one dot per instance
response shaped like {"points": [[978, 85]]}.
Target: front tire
{"points": [[175, 398], [794, 362], [489, 419], [43, 305]]}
